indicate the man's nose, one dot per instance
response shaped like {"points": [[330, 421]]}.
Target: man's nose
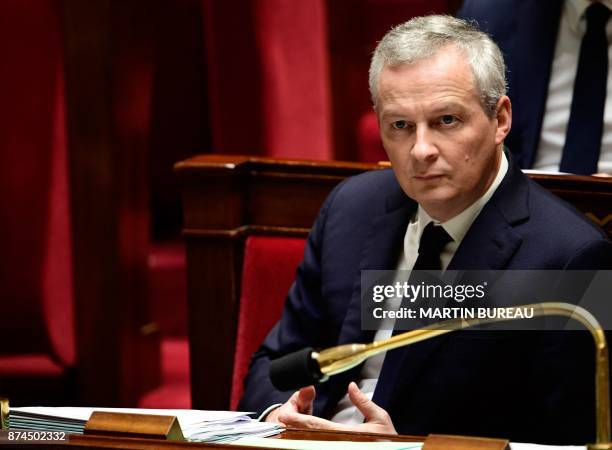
{"points": [[424, 148]]}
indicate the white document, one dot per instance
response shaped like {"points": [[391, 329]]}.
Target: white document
{"points": [[187, 417]]}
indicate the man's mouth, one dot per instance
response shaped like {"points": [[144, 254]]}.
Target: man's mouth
{"points": [[428, 176]]}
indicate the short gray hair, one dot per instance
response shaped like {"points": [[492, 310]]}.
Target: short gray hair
{"points": [[422, 37]]}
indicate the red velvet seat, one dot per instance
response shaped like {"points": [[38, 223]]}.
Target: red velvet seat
{"points": [[37, 355], [267, 273]]}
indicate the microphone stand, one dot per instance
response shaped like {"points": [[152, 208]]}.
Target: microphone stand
{"points": [[344, 357]]}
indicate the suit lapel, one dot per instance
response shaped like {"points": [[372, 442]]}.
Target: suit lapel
{"points": [[531, 62], [492, 240], [488, 245], [380, 252]]}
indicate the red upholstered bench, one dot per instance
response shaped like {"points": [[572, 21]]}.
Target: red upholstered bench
{"points": [[267, 273], [37, 354]]}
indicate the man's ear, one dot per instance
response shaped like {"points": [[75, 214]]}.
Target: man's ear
{"points": [[504, 119]]}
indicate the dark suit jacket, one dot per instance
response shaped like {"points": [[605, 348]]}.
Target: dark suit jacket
{"points": [[483, 383], [526, 32]]}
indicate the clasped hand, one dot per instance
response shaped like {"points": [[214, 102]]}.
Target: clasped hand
{"points": [[297, 412]]}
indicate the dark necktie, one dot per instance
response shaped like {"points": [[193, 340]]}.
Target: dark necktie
{"points": [[585, 127], [433, 240]]}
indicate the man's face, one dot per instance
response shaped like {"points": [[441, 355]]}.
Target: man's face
{"points": [[444, 149]]}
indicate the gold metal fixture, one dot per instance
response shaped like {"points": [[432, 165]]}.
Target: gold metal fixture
{"points": [[4, 413], [344, 357]]}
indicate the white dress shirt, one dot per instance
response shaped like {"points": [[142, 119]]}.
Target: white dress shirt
{"points": [[457, 228], [561, 86]]}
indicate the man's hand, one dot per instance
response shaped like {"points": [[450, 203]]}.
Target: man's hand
{"points": [[300, 402], [376, 419]]}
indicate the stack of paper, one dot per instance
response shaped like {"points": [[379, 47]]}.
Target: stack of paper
{"points": [[225, 431], [201, 426], [36, 421]]}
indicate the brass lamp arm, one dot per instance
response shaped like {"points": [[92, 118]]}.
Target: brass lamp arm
{"points": [[344, 357]]}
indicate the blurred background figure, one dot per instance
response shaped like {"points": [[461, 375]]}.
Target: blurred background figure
{"points": [[557, 53]]}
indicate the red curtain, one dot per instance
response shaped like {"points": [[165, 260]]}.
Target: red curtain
{"points": [[291, 39], [289, 79]]}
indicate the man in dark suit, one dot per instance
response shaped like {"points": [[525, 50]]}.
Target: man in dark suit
{"points": [[454, 200], [557, 53]]}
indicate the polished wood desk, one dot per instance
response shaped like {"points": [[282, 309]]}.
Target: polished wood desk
{"points": [[100, 442]]}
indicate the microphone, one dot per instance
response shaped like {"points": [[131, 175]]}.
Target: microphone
{"points": [[306, 366], [296, 370]]}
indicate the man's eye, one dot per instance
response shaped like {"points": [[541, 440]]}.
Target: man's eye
{"points": [[447, 119], [399, 124]]}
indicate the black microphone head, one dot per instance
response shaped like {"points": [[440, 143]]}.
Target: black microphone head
{"points": [[295, 370]]}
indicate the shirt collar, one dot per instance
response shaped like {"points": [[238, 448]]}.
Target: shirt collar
{"points": [[575, 9], [458, 226]]}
